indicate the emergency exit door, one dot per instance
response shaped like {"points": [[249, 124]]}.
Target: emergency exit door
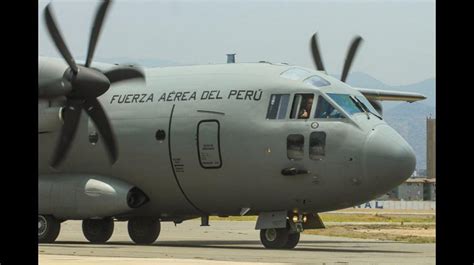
{"points": [[208, 144]]}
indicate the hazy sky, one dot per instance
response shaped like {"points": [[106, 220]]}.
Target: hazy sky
{"points": [[398, 47]]}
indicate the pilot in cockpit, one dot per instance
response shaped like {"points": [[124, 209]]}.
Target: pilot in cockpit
{"points": [[306, 109]]}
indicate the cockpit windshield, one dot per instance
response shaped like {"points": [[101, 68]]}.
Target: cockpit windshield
{"points": [[346, 102], [324, 110], [354, 104]]}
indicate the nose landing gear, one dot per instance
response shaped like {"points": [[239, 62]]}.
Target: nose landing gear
{"points": [[281, 229], [279, 238]]}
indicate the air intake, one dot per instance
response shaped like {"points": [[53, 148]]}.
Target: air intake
{"points": [[136, 198]]}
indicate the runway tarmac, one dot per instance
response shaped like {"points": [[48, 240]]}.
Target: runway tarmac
{"points": [[224, 242]]}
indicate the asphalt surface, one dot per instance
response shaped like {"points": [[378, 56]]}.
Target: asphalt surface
{"points": [[224, 242]]}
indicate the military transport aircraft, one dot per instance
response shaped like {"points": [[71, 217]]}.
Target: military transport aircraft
{"points": [[279, 141]]}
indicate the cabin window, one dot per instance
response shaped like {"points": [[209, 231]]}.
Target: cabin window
{"points": [[324, 110], [278, 106], [317, 81], [295, 146], [317, 145], [301, 108]]}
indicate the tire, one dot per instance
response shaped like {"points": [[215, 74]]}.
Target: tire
{"points": [[293, 240], [143, 231], [98, 231], [274, 238], [48, 228]]}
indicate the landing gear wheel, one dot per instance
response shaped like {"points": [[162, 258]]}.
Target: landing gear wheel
{"points": [[293, 240], [98, 230], [48, 228], [143, 231], [274, 238]]}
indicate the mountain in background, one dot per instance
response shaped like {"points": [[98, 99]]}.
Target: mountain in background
{"points": [[409, 119]]}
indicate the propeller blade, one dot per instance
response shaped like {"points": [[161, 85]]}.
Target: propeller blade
{"points": [[318, 61], [58, 39], [55, 88], [121, 74], [72, 114], [350, 57], [99, 19], [98, 116]]}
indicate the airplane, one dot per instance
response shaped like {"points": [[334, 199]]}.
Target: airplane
{"points": [[123, 143]]}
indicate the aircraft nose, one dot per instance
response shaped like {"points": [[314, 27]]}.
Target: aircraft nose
{"points": [[389, 159]]}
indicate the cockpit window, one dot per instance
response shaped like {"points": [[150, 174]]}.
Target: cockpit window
{"points": [[347, 102], [354, 104], [295, 74], [278, 106], [301, 108], [317, 81], [324, 110]]}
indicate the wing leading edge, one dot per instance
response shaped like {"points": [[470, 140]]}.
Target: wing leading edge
{"points": [[378, 94]]}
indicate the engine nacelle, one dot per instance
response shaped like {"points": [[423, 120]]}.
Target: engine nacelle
{"points": [[79, 196], [377, 105]]}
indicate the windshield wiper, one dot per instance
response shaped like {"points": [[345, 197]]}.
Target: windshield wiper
{"points": [[368, 110], [361, 106], [376, 115]]}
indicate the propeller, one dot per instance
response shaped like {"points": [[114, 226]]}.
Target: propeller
{"points": [[350, 57], [318, 62], [82, 85]]}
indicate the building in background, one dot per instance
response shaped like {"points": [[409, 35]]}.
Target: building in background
{"points": [[429, 190], [413, 189], [231, 58]]}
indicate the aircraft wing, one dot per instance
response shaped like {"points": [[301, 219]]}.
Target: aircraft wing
{"points": [[379, 94]]}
